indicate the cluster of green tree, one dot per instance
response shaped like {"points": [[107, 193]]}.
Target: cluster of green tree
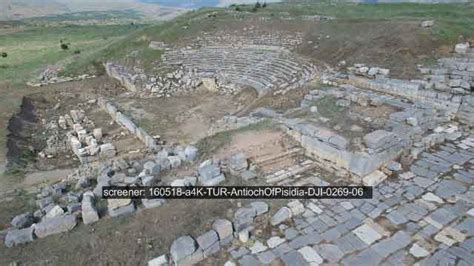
{"points": [[65, 46], [255, 8]]}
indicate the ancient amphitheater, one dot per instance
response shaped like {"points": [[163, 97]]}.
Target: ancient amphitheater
{"points": [[263, 68]]}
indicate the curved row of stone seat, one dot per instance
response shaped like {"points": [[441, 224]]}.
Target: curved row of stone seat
{"points": [[261, 67]]}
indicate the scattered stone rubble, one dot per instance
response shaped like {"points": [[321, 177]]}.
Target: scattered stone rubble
{"points": [[81, 137], [433, 214], [187, 250], [50, 76]]}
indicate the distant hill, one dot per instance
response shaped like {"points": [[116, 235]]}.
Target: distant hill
{"points": [[19, 9], [203, 3]]}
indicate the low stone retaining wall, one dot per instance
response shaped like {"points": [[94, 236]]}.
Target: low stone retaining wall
{"points": [[411, 90], [127, 123]]}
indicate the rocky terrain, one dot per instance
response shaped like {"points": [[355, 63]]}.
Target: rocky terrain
{"points": [[248, 103]]}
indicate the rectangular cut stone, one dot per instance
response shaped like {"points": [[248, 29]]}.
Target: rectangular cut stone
{"points": [[55, 225], [367, 234]]}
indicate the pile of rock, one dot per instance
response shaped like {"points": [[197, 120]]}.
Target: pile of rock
{"points": [[87, 145], [369, 72], [50, 76], [49, 219], [210, 173], [177, 82], [187, 250]]}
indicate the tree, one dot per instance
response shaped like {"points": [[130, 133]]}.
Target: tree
{"points": [[258, 5], [4, 54], [264, 4]]}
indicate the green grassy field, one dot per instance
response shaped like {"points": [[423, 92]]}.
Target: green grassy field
{"points": [[452, 20], [33, 48]]}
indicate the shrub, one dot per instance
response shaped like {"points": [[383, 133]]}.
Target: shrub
{"points": [[4, 54]]}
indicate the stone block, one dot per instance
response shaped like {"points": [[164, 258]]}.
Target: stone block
{"points": [[207, 239], [374, 178], [208, 172], [378, 139], [54, 212], [461, 48], [223, 228], [152, 168], [182, 247], [89, 211], [107, 150], [260, 207], [281, 215], [175, 161], [191, 153], [22, 220], [214, 181], [19, 236], [159, 261], [55, 225], [243, 218], [238, 162], [367, 234]]}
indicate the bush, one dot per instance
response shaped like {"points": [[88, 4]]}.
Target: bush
{"points": [[77, 51], [64, 46], [4, 54]]}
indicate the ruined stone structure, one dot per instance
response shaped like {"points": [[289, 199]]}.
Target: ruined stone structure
{"points": [[127, 123], [263, 68]]}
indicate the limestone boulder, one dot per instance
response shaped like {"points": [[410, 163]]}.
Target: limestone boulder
{"points": [[55, 225], [223, 228], [23, 220], [19, 236], [89, 211], [281, 215], [182, 247]]}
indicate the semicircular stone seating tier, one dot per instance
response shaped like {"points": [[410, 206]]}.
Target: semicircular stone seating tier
{"points": [[263, 68]]}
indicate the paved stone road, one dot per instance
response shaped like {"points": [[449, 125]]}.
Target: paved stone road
{"points": [[425, 217]]}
